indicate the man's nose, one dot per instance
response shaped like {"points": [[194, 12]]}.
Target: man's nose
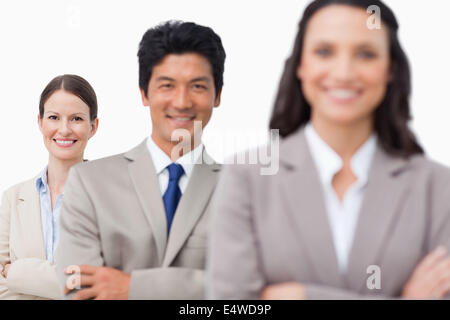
{"points": [[182, 99]]}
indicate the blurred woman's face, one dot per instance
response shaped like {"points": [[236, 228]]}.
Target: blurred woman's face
{"points": [[345, 66], [66, 126]]}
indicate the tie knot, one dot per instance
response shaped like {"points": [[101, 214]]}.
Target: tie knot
{"points": [[175, 171]]}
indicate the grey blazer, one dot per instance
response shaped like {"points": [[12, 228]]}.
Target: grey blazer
{"points": [[30, 275], [113, 215], [273, 229]]}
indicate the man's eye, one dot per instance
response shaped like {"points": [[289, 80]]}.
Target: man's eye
{"points": [[167, 85], [199, 86]]}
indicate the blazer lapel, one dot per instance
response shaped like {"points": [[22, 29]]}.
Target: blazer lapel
{"points": [[145, 181], [303, 191], [387, 186], [29, 214], [192, 205]]}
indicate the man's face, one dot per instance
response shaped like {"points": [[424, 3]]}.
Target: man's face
{"points": [[180, 91]]}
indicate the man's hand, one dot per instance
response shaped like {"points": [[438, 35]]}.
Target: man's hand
{"points": [[430, 278], [5, 270], [102, 283], [284, 291]]}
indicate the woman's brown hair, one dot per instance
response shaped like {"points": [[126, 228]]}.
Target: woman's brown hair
{"points": [[291, 110]]}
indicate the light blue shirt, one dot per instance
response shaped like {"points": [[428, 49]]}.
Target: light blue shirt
{"points": [[49, 217]]}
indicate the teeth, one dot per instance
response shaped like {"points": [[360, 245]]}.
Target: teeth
{"points": [[343, 93], [182, 119], [65, 142]]}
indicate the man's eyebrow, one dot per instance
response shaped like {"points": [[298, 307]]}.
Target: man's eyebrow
{"points": [[207, 79], [164, 78]]}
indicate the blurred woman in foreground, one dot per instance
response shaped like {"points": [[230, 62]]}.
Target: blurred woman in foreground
{"points": [[356, 210]]}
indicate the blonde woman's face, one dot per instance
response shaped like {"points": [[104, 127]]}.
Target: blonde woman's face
{"points": [[345, 66]]}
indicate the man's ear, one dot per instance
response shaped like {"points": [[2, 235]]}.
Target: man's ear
{"points": [[144, 98], [217, 99]]}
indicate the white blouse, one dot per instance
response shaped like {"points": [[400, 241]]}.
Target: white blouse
{"points": [[342, 216]]}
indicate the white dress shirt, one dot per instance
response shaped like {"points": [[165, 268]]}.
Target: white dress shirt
{"points": [[342, 216], [162, 160]]}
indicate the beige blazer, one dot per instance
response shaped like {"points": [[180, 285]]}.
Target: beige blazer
{"points": [[273, 229], [30, 276], [113, 215]]}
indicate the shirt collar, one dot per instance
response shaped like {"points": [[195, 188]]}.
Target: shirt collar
{"points": [[41, 181], [362, 159], [162, 160], [329, 162]]}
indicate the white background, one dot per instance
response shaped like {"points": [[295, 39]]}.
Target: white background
{"points": [[99, 39]]}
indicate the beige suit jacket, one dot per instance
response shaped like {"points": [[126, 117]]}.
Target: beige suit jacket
{"points": [[30, 276], [273, 229], [113, 215]]}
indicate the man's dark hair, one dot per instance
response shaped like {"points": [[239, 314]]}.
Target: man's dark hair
{"points": [[75, 85], [177, 37], [291, 110]]}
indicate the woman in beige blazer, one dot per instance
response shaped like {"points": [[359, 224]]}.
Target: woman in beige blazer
{"points": [[30, 210], [355, 210]]}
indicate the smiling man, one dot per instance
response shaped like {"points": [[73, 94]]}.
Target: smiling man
{"points": [[135, 225]]}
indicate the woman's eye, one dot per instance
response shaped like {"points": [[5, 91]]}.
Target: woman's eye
{"points": [[78, 119], [367, 54], [52, 117], [323, 52]]}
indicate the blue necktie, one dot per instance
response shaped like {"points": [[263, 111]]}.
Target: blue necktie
{"points": [[173, 193]]}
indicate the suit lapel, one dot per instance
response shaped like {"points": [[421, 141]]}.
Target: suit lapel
{"points": [[146, 185], [192, 205], [387, 186], [303, 192], [29, 214]]}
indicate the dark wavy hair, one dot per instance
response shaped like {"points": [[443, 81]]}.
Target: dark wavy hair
{"points": [[291, 110], [177, 37], [75, 85]]}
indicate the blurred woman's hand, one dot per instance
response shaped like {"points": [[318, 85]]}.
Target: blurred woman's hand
{"points": [[431, 277], [284, 291]]}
